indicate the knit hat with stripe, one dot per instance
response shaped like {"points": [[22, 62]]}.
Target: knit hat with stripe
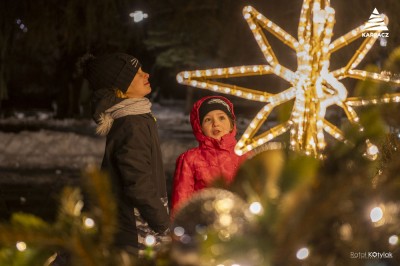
{"points": [[110, 71], [213, 104]]}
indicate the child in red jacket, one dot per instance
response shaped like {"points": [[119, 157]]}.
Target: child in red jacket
{"points": [[213, 123]]}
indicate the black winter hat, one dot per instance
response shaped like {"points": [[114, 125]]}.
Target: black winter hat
{"points": [[110, 71], [214, 104]]}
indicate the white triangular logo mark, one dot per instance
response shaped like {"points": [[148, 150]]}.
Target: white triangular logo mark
{"points": [[376, 22]]}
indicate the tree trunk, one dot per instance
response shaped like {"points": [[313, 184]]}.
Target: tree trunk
{"points": [[189, 99]]}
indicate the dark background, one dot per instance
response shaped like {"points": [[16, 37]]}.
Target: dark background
{"points": [[41, 41]]}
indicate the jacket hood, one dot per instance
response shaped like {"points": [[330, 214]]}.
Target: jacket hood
{"points": [[228, 139]]}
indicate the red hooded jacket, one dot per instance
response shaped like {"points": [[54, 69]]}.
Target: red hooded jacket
{"points": [[198, 167]]}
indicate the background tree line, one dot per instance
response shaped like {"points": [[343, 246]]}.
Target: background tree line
{"points": [[40, 42]]}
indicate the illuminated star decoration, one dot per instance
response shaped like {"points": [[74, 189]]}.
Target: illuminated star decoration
{"points": [[313, 86]]}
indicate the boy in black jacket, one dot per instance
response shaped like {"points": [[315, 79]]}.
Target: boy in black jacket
{"points": [[132, 155]]}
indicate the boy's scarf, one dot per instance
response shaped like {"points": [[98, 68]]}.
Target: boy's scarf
{"points": [[130, 106]]}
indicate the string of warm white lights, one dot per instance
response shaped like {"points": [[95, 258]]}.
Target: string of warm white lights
{"points": [[314, 87]]}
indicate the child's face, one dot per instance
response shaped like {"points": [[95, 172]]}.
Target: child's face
{"points": [[140, 85], [216, 124]]}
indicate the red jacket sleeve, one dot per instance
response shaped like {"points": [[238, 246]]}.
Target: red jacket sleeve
{"points": [[183, 186]]}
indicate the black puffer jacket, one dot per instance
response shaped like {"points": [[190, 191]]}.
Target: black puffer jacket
{"points": [[133, 161]]}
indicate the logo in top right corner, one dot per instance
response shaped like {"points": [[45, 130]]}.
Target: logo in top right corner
{"points": [[375, 25]]}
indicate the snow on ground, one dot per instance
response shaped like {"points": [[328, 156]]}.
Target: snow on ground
{"points": [[72, 144], [48, 149], [39, 142]]}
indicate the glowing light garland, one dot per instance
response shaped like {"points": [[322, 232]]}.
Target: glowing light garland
{"points": [[313, 86]]}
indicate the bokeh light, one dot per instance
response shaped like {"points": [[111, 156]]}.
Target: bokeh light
{"points": [[21, 246], [302, 253], [393, 240], [256, 208], [376, 214]]}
